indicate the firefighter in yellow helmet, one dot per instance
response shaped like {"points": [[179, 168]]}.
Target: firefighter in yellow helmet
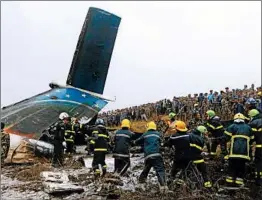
{"points": [[240, 136], [153, 157], [123, 140], [181, 142]]}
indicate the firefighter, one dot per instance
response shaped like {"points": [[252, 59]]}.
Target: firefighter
{"points": [[196, 139], [59, 132], [76, 126], [122, 144], [240, 136], [256, 125], [153, 157], [69, 136], [180, 141], [216, 130], [91, 142], [101, 140], [194, 123]]}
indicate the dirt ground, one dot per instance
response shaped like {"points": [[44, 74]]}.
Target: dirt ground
{"points": [[24, 182]]}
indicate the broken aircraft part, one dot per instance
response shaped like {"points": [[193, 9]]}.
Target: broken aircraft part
{"points": [[79, 98]]}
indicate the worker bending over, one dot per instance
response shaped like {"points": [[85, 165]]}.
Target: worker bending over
{"points": [[153, 157]]}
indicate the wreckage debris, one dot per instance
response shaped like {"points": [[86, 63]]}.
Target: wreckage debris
{"points": [[80, 184], [57, 182]]}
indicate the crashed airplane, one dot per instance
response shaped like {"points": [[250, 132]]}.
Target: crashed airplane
{"points": [[81, 97]]}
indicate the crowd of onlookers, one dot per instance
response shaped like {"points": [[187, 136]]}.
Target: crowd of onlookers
{"points": [[225, 103]]}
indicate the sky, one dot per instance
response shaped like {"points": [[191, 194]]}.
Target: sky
{"points": [[163, 49]]}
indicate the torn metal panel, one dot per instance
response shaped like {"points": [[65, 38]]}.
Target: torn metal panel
{"points": [[57, 182], [57, 177]]}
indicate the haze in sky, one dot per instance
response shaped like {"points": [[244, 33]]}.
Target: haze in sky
{"points": [[162, 48]]}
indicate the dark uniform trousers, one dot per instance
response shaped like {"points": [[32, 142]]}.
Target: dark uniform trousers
{"points": [[99, 159], [236, 171], [158, 164], [121, 165], [258, 164], [178, 164], [58, 152]]}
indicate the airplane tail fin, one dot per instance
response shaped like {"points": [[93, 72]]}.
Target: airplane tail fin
{"points": [[94, 50]]}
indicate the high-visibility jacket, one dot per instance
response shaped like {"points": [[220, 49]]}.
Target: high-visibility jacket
{"points": [[101, 139], [240, 136], [215, 128], [196, 146], [69, 133]]}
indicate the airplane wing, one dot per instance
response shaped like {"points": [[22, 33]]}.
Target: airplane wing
{"points": [[32, 116], [94, 50]]}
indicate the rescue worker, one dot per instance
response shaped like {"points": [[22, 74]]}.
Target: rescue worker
{"points": [[216, 130], [91, 142], [76, 126], [59, 132], [153, 157], [69, 136], [256, 125], [5, 143], [122, 145], [101, 140], [240, 136], [180, 141], [196, 139], [79, 130]]}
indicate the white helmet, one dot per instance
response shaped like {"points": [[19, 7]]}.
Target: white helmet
{"points": [[63, 115]]}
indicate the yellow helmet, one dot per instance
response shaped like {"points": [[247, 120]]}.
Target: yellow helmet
{"points": [[259, 93], [125, 123], [253, 113], [151, 126], [181, 126], [239, 116]]}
